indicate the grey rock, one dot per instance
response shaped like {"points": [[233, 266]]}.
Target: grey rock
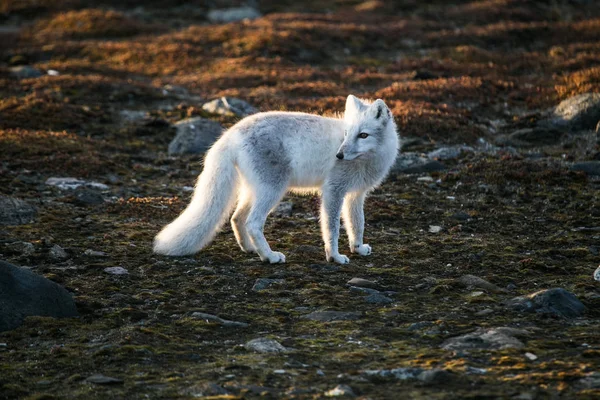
{"points": [[57, 253], [472, 281], [577, 113], [229, 106], [589, 167], [224, 322], [194, 136], [264, 283], [283, 209], [340, 391], [74, 183], [24, 248], [233, 14], [378, 298], [449, 153], [417, 326], [591, 381], [88, 197], [412, 163], [402, 374], [100, 379], [363, 290], [537, 136], [265, 345], [15, 212], [436, 376], [461, 216], [116, 271], [360, 282], [597, 274], [23, 294], [25, 72], [328, 316], [555, 302], [94, 253], [492, 338]]}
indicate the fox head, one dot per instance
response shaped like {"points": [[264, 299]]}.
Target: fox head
{"points": [[368, 126]]}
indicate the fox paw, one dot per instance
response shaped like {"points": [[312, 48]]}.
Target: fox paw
{"points": [[274, 257], [339, 258], [362, 249]]}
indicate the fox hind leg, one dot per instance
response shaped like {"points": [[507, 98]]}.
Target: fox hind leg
{"points": [[238, 222], [265, 198]]}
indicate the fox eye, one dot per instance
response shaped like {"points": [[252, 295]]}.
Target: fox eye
{"points": [[363, 135]]}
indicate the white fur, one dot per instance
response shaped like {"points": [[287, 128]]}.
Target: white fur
{"points": [[267, 154]]}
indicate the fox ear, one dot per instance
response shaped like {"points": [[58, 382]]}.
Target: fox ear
{"points": [[354, 105], [378, 110]]}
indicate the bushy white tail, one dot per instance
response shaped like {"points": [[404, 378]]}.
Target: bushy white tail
{"points": [[208, 210]]}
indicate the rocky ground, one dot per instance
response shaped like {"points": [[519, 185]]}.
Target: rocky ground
{"points": [[494, 200]]}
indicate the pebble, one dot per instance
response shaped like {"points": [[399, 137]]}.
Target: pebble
{"points": [[490, 338], [74, 183], [425, 179], [265, 345], [363, 290], [265, 283], [555, 302], [597, 274], [340, 390], [435, 229], [58, 253], [472, 281], [213, 318], [229, 106], [360, 282], [94, 253], [25, 248], [116, 271], [378, 298], [328, 316], [100, 379], [531, 356]]}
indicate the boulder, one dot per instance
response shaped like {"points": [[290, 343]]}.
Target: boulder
{"points": [[24, 293], [15, 212], [555, 302], [194, 136], [581, 112]]}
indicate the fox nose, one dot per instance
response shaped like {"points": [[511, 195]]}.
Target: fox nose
{"points": [[340, 155]]}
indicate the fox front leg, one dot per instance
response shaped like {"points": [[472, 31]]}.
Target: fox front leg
{"points": [[331, 205], [354, 219]]}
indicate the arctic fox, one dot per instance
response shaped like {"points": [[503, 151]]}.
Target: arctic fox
{"points": [[265, 155]]}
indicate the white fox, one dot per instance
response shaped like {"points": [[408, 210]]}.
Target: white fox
{"points": [[259, 159]]}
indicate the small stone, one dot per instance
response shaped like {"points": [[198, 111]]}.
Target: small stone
{"points": [[340, 390], [74, 183], [24, 248], [424, 179], [328, 316], [360, 282], [402, 374], [412, 163], [265, 345], [555, 302], [229, 106], [58, 253], [283, 209], [116, 271], [88, 197], [363, 290], [597, 274], [194, 136], [484, 312], [588, 167], [435, 229], [378, 298], [94, 253], [233, 14], [449, 153], [15, 212], [25, 72], [100, 379], [492, 338], [435, 376], [531, 356], [213, 318], [472, 281], [264, 283]]}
